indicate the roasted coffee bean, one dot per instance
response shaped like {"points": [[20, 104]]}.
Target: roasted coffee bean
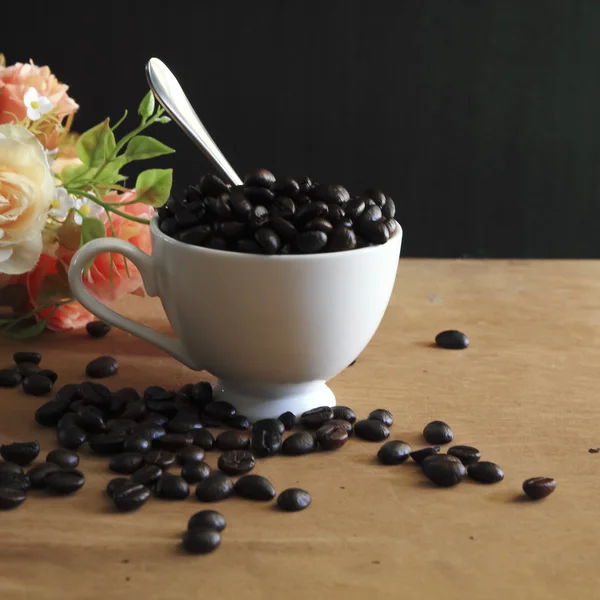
{"points": [[64, 458], [271, 424], [372, 431], [376, 233], [10, 468], [370, 216], [22, 453], [11, 497], [266, 442], [333, 193], [65, 481], [50, 413], [183, 424], [443, 472], [169, 226], [258, 217], [137, 443], [193, 472], [420, 455], [344, 413], [130, 496], [260, 177], [385, 416], [193, 195], [288, 419], [175, 441], [153, 420], [147, 475], [37, 474], [165, 407], [539, 487], [204, 439], [299, 443], [211, 185], [70, 436], [219, 410], [308, 212], [68, 393], [126, 463], [161, 458], [283, 207], [240, 205], [305, 184], [108, 443], [452, 339], [236, 462], [77, 406], [238, 422], [438, 432], [394, 452], [27, 357], [95, 394], [128, 394], [103, 366], [233, 230], [255, 487], [286, 187], [345, 424], [293, 499], [466, 454], [248, 247], [233, 440], [268, 240], [335, 213], [283, 228], [115, 484], [90, 421], [389, 208], [259, 195], [190, 454], [442, 457], [391, 226], [207, 519], [332, 436], [98, 329], [68, 420], [186, 218], [196, 235], [200, 541], [319, 224], [126, 426], [116, 406], [37, 385], [156, 392], [27, 368], [355, 208], [19, 481], [219, 206], [201, 394], [313, 419], [341, 238], [214, 488], [376, 195], [485, 472], [51, 375], [10, 378], [172, 487]]}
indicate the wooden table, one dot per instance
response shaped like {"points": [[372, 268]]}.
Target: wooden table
{"points": [[525, 393]]}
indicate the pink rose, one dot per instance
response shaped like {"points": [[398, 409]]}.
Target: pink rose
{"points": [[14, 83]]}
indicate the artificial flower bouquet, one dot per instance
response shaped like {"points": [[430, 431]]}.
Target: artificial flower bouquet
{"points": [[58, 191]]}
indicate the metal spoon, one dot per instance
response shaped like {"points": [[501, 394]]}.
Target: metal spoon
{"points": [[169, 93]]}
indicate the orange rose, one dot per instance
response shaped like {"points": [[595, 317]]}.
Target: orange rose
{"points": [[16, 80]]}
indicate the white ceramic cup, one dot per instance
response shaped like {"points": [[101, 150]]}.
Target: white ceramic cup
{"points": [[273, 329]]}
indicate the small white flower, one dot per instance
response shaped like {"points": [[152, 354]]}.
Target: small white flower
{"points": [[61, 204], [88, 208], [36, 105]]}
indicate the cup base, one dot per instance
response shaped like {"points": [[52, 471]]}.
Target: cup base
{"points": [[266, 401]]}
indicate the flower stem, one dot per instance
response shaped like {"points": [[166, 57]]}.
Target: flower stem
{"points": [[109, 207]]}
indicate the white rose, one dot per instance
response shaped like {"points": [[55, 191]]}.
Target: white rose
{"points": [[26, 191]]}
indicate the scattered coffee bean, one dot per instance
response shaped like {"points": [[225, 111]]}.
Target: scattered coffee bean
{"points": [[115, 484], [68, 420], [66, 459], [293, 499], [219, 410], [130, 496], [10, 378], [95, 394], [37, 474], [201, 394], [165, 407], [420, 455], [214, 488], [194, 472], [184, 424], [21, 453], [14, 479], [266, 442], [91, 420], [438, 432], [162, 458], [288, 419], [51, 375], [301, 442], [255, 487], [236, 462], [65, 481], [175, 441], [594, 450], [452, 340], [147, 475], [172, 487], [137, 443], [313, 419], [108, 443], [27, 357], [233, 440], [70, 436], [238, 422], [201, 541], [207, 519], [37, 384], [394, 452], [466, 454], [28, 368], [68, 393], [269, 424], [385, 416], [126, 463], [103, 366], [190, 454], [345, 424], [10, 468], [372, 431], [11, 497], [485, 472], [50, 413], [539, 487], [127, 427], [332, 435], [444, 470], [97, 329], [148, 430], [344, 413], [203, 439]]}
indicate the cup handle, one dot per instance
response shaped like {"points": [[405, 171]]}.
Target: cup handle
{"points": [[85, 255]]}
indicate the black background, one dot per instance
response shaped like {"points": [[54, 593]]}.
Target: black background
{"points": [[481, 118]]}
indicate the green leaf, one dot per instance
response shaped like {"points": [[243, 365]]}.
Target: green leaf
{"points": [[163, 119], [143, 147], [146, 108], [91, 229], [110, 174], [95, 145], [29, 332], [72, 171], [120, 121], [154, 186]]}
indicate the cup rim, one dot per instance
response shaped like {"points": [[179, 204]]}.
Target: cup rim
{"points": [[277, 257]]}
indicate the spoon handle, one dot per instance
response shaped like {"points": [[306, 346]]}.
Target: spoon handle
{"points": [[170, 94]]}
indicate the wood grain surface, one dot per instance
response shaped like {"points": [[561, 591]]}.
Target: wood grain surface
{"points": [[525, 393]]}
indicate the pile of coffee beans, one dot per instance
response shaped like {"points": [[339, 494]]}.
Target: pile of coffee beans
{"points": [[27, 372], [270, 216]]}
